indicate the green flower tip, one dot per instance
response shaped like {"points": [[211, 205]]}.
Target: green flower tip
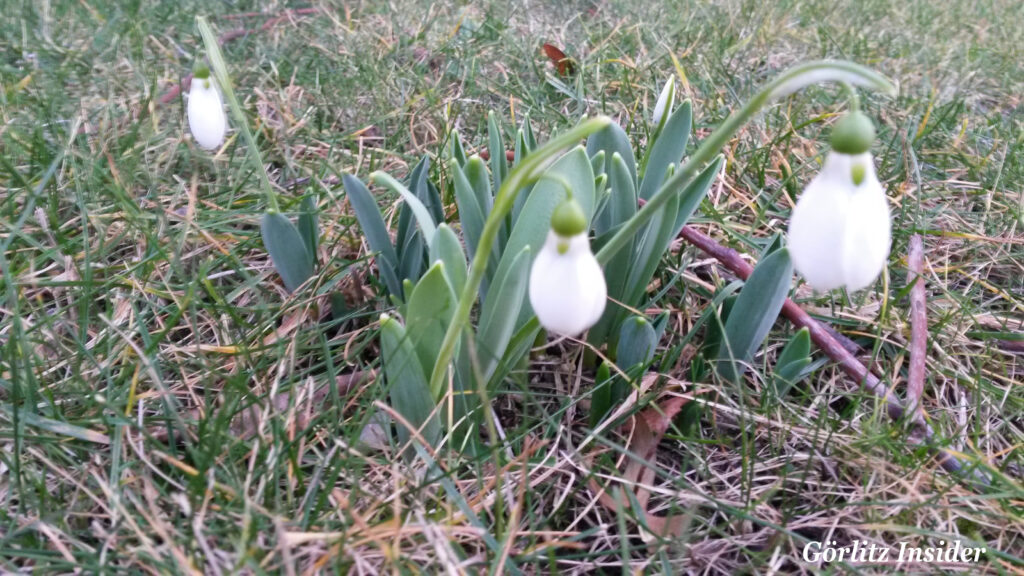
{"points": [[853, 134], [201, 71], [568, 219]]}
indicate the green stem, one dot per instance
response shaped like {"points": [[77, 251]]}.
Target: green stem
{"points": [[788, 82], [220, 72], [527, 170]]}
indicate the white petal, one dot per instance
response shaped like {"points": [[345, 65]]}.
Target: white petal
{"points": [[665, 101], [816, 227], [567, 291], [868, 233], [206, 117]]}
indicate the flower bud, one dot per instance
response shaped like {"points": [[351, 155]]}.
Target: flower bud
{"points": [[665, 101], [206, 118], [567, 287], [840, 230]]}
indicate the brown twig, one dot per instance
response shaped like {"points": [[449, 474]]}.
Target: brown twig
{"points": [[847, 362], [918, 325], [226, 37]]}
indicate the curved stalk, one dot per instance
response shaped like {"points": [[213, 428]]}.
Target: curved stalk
{"points": [[788, 82], [220, 71], [528, 170]]}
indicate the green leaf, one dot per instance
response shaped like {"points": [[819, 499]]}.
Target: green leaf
{"points": [[774, 243], [476, 173], [637, 342], [458, 151], [287, 249], [499, 166], [798, 348], [498, 321], [447, 248], [372, 223], [597, 162], [427, 315], [407, 384], [470, 215], [754, 313], [601, 398], [792, 361], [517, 348], [419, 210], [695, 192], [716, 326], [623, 201], [668, 149], [612, 139], [522, 149], [412, 258], [650, 247], [309, 226]]}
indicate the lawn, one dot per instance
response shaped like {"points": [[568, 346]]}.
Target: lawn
{"points": [[167, 406]]}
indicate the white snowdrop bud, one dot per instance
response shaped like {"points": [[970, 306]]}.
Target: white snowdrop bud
{"points": [[567, 287], [206, 118], [840, 231], [665, 102]]}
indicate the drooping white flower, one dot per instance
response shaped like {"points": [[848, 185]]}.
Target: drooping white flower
{"points": [[840, 230], [567, 287], [665, 101], [206, 118]]}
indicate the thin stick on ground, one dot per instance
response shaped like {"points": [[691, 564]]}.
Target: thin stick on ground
{"points": [[918, 325], [847, 362]]}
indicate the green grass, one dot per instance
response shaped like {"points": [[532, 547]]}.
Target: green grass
{"points": [[167, 407]]}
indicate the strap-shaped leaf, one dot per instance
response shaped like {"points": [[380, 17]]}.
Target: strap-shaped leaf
{"points": [[612, 139], [407, 385], [447, 248], [531, 141], [754, 313], [498, 321], [597, 162], [622, 203], [792, 363], [668, 149], [419, 210], [287, 249], [309, 227], [476, 173], [427, 315], [650, 247], [524, 193], [695, 192], [496, 148], [637, 342], [470, 215], [413, 259], [516, 349], [458, 151], [372, 223], [601, 398]]}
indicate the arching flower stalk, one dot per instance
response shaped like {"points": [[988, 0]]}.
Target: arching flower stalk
{"points": [[840, 231], [206, 118], [567, 287]]}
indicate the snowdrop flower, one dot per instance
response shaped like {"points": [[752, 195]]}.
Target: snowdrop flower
{"points": [[567, 287], [665, 101], [206, 117], [839, 234]]}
